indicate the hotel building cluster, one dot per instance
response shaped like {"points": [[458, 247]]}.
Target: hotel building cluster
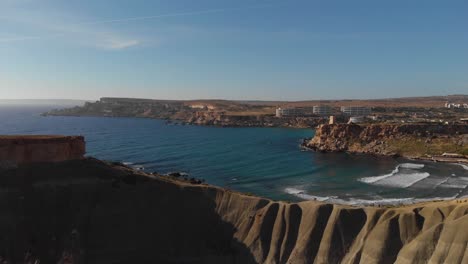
{"points": [[323, 110]]}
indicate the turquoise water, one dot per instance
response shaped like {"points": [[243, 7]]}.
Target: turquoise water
{"points": [[263, 161]]}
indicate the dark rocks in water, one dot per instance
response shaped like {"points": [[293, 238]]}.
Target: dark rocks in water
{"points": [[181, 176], [175, 174], [184, 177], [195, 181], [305, 143], [118, 163]]}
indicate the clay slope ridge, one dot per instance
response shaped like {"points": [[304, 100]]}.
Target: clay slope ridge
{"points": [[311, 232], [93, 212]]}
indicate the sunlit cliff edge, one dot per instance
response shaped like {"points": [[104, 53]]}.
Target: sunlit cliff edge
{"points": [[88, 211], [420, 141]]}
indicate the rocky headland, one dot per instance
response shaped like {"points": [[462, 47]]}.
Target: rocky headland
{"points": [[89, 211], [263, 113], [420, 141], [202, 112]]}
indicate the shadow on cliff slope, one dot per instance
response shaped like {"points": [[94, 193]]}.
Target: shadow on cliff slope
{"points": [[88, 212]]}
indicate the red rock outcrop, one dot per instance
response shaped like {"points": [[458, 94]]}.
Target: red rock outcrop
{"points": [[15, 150]]}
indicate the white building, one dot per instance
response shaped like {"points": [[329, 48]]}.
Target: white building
{"points": [[323, 110], [454, 105], [356, 110], [280, 112], [202, 106]]}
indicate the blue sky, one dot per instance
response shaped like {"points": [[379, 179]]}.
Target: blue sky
{"points": [[238, 49]]}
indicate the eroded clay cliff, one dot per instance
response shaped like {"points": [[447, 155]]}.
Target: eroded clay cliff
{"points": [[88, 211]]}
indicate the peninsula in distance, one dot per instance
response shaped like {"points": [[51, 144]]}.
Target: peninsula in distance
{"points": [[111, 210], [237, 132], [432, 128]]}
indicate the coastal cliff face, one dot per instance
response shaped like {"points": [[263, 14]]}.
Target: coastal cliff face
{"points": [[16, 150], [415, 140], [88, 211]]}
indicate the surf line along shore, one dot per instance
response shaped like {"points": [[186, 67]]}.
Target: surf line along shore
{"points": [[217, 225]]}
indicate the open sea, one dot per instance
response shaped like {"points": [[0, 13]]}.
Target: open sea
{"points": [[263, 161]]}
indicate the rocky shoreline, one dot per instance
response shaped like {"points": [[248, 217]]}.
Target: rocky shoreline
{"points": [[83, 210], [219, 120], [207, 119], [438, 143], [88, 211]]}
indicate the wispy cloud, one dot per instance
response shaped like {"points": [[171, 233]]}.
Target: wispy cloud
{"points": [[30, 26], [14, 39], [117, 44], [101, 41], [92, 32], [180, 14], [48, 28]]}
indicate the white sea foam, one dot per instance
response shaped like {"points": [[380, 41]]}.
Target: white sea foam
{"points": [[397, 179], [378, 178], [442, 182], [138, 167], [133, 165], [352, 201], [464, 166], [389, 201], [181, 173], [412, 166], [403, 180], [455, 183], [303, 195], [364, 202], [454, 186], [292, 190]]}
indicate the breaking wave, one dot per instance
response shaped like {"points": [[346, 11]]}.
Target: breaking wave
{"points": [[361, 202], [403, 180], [411, 166], [454, 186], [133, 165], [378, 178], [303, 195], [397, 179]]}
